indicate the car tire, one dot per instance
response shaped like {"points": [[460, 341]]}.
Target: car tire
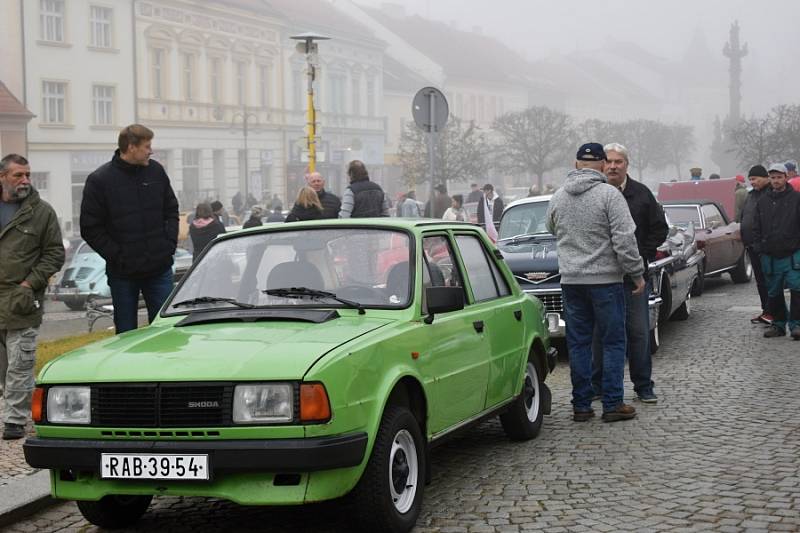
{"points": [[684, 311], [523, 420], [743, 271], [665, 310], [388, 497], [75, 305], [699, 282], [655, 340], [114, 512]]}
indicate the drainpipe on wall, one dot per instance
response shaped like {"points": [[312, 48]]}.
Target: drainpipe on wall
{"points": [[135, 75]]}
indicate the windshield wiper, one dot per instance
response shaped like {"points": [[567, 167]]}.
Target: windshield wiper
{"points": [[213, 300], [299, 292], [524, 237]]}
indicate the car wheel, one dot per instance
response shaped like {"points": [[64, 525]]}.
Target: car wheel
{"points": [[114, 512], [388, 497], [700, 281], [683, 312], [655, 340], [665, 310], [76, 305], [743, 271], [523, 420]]}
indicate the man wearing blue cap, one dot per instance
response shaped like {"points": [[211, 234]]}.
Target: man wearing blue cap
{"points": [[776, 237], [596, 249]]}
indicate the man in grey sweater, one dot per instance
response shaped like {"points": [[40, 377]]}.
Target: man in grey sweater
{"points": [[596, 249]]}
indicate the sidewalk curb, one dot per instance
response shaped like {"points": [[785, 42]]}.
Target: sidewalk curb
{"points": [[23, 497]]}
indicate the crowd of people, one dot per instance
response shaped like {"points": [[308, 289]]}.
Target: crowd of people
{"points": [[607, 225]]}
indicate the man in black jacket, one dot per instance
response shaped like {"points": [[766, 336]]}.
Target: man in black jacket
{"points": [[129, 215], [651, 230], [759, 179], [362, 198], [331, 204], [776, 236]]}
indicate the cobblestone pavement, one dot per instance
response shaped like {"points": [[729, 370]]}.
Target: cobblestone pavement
{"points": [[720, 451]]}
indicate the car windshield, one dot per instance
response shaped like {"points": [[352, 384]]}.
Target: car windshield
{"points": [[681, 215], [524, 219], [332, 267]]}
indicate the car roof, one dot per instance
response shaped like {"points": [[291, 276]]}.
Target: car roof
{"points": [[408, 224], [529, 200]]}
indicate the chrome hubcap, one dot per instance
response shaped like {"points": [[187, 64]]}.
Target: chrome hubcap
{"points": [[403, 471], [530, 392]]}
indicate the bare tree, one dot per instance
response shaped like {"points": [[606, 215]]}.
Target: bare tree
{"points": [[462, 154], [645, 139], [535, 140], [773, 137], [680, 143]]}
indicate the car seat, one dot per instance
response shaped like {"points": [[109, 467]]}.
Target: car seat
{"points": [[295, 274], [397, 280]]}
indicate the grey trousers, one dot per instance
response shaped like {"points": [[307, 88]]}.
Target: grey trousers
{"points": [[17, 358]]}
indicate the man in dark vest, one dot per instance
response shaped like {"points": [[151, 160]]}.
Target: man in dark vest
{"points": [[362, 198]]}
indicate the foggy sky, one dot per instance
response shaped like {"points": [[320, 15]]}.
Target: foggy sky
{"points": [[538, 29]]}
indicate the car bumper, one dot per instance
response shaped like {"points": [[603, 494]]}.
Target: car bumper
{"points": [[275, 455], [556, 326]]}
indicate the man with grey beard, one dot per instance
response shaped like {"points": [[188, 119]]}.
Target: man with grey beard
{"points": [[32, 251]]}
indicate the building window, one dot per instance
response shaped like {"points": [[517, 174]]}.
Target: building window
{"points": [[481, 109], [188, 77], [103, 105], [40, 180], [336, 93], [52, 20], [297, 89], [100, 24], [263, 85], [241, 82], [191, 177], [356, 95], [370, 98], [54, 102], [158, 74], [216, 77]]}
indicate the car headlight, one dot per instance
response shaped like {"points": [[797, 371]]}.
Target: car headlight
{"points": [[263, 403], [69, 405]]}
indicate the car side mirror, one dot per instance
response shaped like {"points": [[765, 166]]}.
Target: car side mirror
{"points": [[443, 300], [714, 224]]}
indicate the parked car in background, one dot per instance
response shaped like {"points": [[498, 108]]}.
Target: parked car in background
{"points": [[84, 278], [531, 253], [716, 235], [295, 363]]}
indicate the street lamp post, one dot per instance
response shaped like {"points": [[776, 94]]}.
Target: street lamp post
{"points": [[308, 47], [246, 117]]}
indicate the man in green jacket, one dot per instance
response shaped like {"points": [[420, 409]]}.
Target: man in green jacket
{"points": [[32, 250]]}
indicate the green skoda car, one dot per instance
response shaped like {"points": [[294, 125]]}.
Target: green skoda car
{"points": [[297, 363]]}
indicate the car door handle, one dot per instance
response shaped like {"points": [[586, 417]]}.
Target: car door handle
{"points": [[518, 315], [478, 325]]}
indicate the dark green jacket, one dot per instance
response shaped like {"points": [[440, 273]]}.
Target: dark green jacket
{"points": [[31, 249]]}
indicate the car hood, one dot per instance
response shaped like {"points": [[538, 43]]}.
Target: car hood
{"points": [[533, 260], [220, 351]]}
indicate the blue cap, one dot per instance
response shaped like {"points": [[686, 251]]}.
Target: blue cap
{"points": [[790, 165], [591, 152]]}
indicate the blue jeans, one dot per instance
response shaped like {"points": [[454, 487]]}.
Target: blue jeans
{"points": [[637, 326], [783, 272], [587, 307], [125, 296]]}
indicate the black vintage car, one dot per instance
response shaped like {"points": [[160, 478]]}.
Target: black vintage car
{"points": [[530, 251]]}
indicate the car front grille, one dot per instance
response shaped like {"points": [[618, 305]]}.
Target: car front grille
{"points": [[552, 302], [162, 405]]}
